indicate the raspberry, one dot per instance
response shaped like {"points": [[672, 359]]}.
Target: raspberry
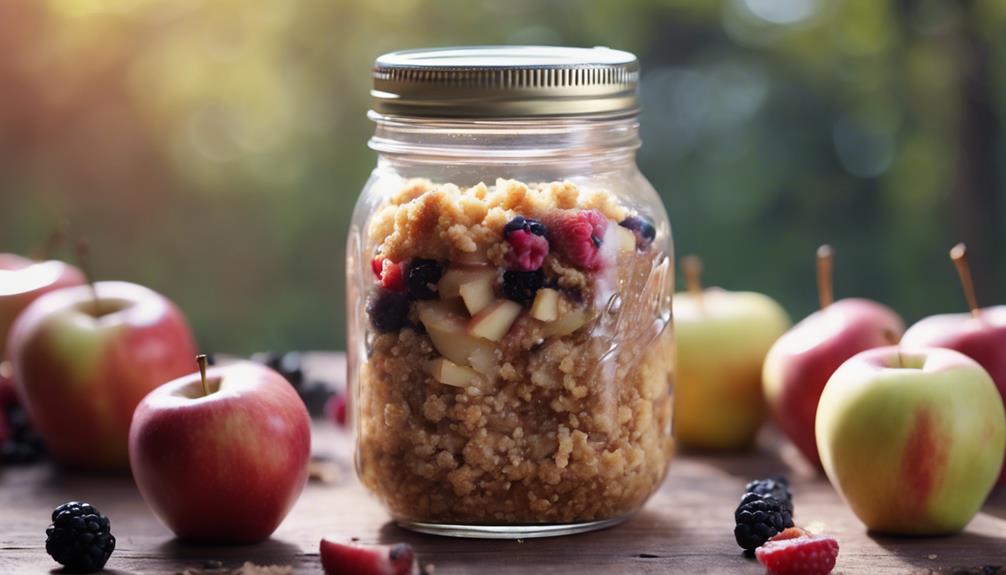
{"points": [[377, 265], [578, 235], [790, 533], [393, 276], [527, 250], [340, 557], [805, 555], [336, 409]]}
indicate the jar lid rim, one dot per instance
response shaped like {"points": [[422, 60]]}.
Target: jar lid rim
{"points": [[505, 81]]}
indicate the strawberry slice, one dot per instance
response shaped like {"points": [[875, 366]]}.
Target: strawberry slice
{"points": [[801, 555], [340, 557]]}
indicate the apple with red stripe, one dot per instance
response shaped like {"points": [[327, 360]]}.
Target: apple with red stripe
{"points": [[912, 437], [222, 455], [83, 358], [800, 362], [979, 334]]}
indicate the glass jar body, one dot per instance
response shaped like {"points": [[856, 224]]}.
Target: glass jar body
{"points": [[509, 337]]}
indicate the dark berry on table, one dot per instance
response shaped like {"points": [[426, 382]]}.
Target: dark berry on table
{"points": [[22, 444], [777, 487], [758, 518], [422, 278], [316, 395], [290, 366], [521, 287], [526, 224], [643, 229], [79, 537], [388, 310], [269, 359]]}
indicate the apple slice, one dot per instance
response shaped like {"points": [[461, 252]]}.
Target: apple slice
{"points": [[447, 325], [484, 361], [449, 373], [567, 323], [626, 239], [450, 284], [494, 321], [546, 305], [478, 293], [338, 558]]}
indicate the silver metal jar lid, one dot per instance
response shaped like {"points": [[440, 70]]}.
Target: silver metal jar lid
{"points": [[505, 81]]}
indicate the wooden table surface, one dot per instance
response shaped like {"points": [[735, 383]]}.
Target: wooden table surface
{"points": [[687, 527]]}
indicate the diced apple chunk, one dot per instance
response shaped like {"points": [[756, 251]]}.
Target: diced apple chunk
{"points": [[626, 239], [447, 327], [546, 305], [566, 323], [484, 361], [452, 280], [449, 373], [478, 293], [494, 321]]}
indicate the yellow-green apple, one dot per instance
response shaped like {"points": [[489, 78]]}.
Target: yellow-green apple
{"points": [[912, 438], [801, 361], [721, 339], [23, 280], [980, 334], [221, 456], [82, 364]]}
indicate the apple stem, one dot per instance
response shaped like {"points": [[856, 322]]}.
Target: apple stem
{"points": [[824, 276], [959, 255], [56, 237], [692, 266], [201, 360], [84, 261]]}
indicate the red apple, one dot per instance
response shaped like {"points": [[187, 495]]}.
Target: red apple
{"points": [[980, 334], [23, 280], [800, 362], [81, 366], [222, 459]]}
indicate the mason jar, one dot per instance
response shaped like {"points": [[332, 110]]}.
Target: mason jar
{"points": [[510, 274]]}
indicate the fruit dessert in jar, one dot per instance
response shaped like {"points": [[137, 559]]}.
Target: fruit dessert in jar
{"points": [[510, 274]]}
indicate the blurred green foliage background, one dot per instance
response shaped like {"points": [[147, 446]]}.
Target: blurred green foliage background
{"points": [[213, 149]]}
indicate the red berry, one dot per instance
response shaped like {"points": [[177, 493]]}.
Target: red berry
{"points": [[336, 409], [803, 555], [393, 277], [790, 533], [578, 235], [338, 558], [377, 265], [527, 250]]}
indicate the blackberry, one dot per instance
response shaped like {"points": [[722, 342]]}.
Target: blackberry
{"points": [[422, 279], [521, 286], [758, 518], [777, 487], [79, 537], [23, 445], [315, 395], [388, 310], [643, 228], [286, 364], [527, 224]]}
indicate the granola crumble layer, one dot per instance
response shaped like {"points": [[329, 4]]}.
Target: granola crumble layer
{"points": [[475, 409]]}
